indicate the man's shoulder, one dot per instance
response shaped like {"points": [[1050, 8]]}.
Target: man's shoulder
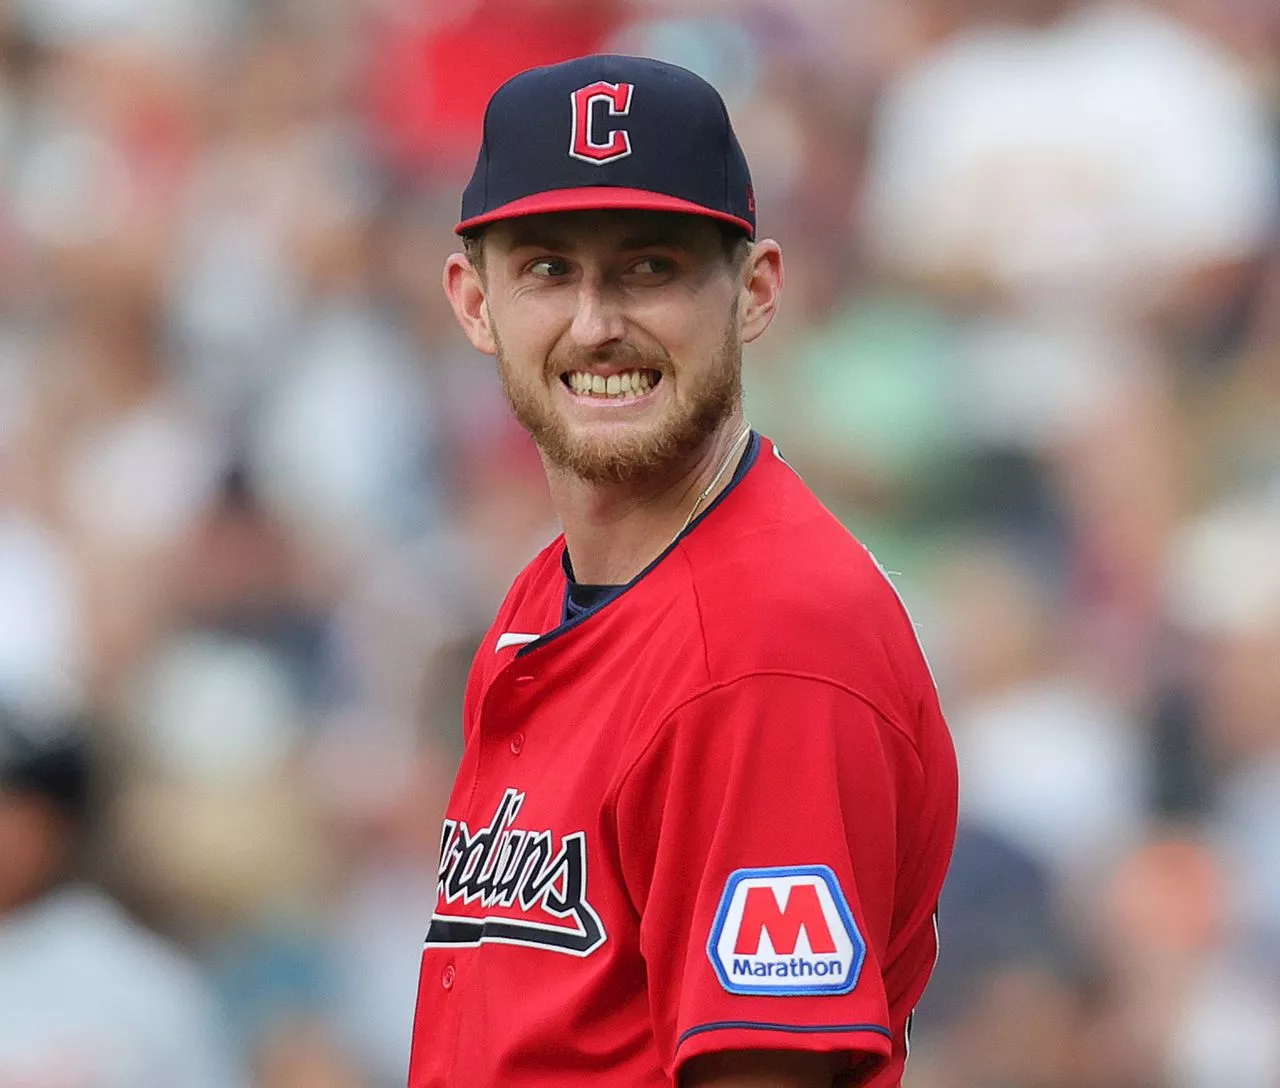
{"points": [[828, 590], [783, 585], [780, 555]]}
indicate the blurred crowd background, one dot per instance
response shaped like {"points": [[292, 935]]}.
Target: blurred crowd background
{"points": [[259, 500]]}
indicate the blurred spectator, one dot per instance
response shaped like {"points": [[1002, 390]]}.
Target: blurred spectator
{"points": [[1071, 151], [88, 998], [1224, 593], [1009, 997], [1184, 1007], [1047, 762], [42, 637], [434, 66]]}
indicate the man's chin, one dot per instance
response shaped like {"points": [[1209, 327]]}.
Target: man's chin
{"points": [[608, 459]]}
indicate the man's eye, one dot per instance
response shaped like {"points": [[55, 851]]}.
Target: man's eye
{"points": [[653, 266], [549, 267]]}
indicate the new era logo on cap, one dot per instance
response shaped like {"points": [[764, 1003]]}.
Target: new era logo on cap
{"points": [[785, 931], [608, 132]]}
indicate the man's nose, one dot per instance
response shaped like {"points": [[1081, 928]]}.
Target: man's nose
{"points": [[598, 320]]}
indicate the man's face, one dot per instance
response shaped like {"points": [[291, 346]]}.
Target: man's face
{"points": [[617, 336]]}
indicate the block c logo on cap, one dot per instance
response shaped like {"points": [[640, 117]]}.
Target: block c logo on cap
{"points": [[786, 931], [583, 144]]}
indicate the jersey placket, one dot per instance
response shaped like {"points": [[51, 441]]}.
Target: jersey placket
{"points": [[502, 731]]}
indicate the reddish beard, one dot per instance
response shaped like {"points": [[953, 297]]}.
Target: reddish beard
{"points": [[643, 451]]}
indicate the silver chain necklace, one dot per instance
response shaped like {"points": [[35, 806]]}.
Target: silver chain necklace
{"points": [[724, 466]]}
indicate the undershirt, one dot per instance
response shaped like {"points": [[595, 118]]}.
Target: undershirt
{"points": [[580, 599]]}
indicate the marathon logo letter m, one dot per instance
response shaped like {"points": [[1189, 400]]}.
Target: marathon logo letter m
{"points": [[786, 930], [803, 912]]}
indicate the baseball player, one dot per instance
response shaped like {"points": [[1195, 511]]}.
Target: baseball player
{"points": [[707, 798], [88, 999]]}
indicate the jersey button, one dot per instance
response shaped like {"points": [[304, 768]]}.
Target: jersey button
{"points": [[517, 744], [447, 976]]}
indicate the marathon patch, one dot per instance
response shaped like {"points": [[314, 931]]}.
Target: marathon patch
{"points": [[785, 931]]}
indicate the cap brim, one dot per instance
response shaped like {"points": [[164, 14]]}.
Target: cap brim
{"points": [[598, 198]]}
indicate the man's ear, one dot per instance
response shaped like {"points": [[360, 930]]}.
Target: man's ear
{"points": [[761, 289], [464, 287]]}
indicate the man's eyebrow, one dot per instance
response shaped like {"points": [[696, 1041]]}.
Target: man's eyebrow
{"points": [[654, 241], [524, 236]]}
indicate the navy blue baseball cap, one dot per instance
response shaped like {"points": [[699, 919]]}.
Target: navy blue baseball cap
{"points": [[608, 132]]}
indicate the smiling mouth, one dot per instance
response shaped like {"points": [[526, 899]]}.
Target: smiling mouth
{"points": [[620, 386]]}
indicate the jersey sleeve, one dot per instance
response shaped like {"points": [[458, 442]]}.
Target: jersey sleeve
{"points": [[757, 841]]}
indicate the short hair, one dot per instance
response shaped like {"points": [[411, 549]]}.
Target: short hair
{"points": [[735, 245], [473, 247]]}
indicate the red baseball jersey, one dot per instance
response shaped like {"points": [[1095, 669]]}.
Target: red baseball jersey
{"points": [[714, 812]]}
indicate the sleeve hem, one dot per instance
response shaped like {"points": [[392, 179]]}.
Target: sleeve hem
{"points": [[862, 1039]]}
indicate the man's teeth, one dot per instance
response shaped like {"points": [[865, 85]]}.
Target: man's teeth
{"points": [[630, 383]]}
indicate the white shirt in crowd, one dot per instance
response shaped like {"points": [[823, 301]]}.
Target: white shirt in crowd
{"points": [[1109, 154], [90, 999]]}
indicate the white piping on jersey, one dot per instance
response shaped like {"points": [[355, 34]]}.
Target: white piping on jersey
{"points": [[915, 627], [513, 638]]}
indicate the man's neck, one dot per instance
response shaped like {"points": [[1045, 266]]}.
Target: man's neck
{"points": [[614, 531]]}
